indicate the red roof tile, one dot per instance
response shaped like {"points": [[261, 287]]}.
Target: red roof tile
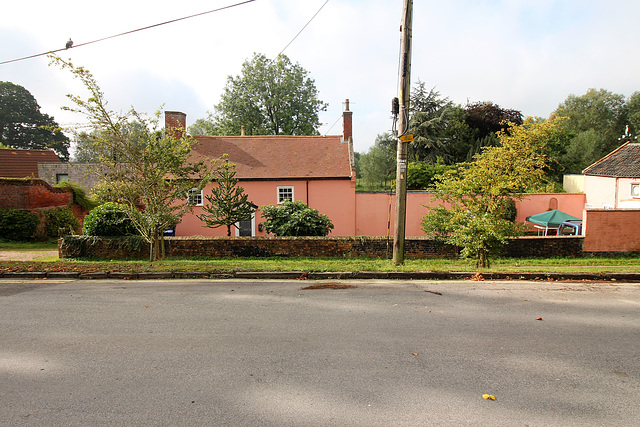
{"points": [[24, 163], [279, 156]]}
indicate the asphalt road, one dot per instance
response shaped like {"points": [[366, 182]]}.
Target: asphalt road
{"points": [[269, 353]]}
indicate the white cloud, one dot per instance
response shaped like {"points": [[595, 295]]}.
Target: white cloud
{"points": [[519, 54]]}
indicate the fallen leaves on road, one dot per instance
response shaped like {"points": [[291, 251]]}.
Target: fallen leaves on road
{"points": [[489, 396], [478, 277]]}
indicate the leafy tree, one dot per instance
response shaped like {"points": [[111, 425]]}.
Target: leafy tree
{"points": [[633, 113], [295, 219], [378, 165], [487, 118], [429, 116], [477, 200], [269, 97], [22, 125], [148, 172], [595, 122], [423, 176], [228, 204]]}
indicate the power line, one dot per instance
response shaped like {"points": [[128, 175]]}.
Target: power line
{"points": [[130, 32], [305, 26]]}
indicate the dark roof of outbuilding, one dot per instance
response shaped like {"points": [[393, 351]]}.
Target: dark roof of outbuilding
{"points": [[624, 162], [15, 163]]}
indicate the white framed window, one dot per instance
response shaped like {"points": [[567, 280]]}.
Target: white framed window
{"points": [[635, 190], [285, 193], [194, 197]]}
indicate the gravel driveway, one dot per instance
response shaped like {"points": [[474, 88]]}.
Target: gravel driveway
{"points": [[26, 255]]}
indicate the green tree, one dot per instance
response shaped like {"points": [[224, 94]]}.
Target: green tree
{"points": [[22, 125], [269, 97], [595, 122], [378, 164], [633, 113], [149, 172], [295, 219], [477, 199], [423, 176], [228, 204], [429, 116]]}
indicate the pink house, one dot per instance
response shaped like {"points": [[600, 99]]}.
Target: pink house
{"points": [[613, 182], [318, 170]]}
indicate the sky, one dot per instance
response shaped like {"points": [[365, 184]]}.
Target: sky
{"points": [[519, 54]]}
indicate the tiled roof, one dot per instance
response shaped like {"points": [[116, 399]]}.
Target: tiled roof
{"points": [[280, 156], [624, 162], [24, 163]]}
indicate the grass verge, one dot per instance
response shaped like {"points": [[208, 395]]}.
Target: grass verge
{"points": [[622, 264]]}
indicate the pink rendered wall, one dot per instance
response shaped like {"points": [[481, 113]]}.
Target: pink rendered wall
{"points": [[334, 198], [372, 210], [611, 230]]}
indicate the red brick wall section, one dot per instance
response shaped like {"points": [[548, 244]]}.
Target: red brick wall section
{"points": [[612, 230], [32, 194]]}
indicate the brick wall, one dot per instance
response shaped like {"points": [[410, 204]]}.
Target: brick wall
{"points": [[373, 247], [612, 230], [31, 193]]}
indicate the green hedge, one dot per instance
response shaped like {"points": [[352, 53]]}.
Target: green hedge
{"points": [[60, 221], [16, 224]]}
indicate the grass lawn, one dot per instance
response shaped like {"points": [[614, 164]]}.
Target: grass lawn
{"points": [[620, 264]]}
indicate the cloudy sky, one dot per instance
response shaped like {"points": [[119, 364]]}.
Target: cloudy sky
{"points": [[521, 54]]}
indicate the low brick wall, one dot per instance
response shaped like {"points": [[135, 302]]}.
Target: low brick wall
{"points": [[544, 247], [373, 247]]}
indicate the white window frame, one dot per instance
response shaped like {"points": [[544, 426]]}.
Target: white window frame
{"points": [[635, 190], [281, 191], [195, 197]]}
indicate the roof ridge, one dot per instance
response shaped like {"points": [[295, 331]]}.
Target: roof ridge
{"points": [[606, 157]]}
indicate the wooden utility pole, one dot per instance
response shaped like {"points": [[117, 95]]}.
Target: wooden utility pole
{"points": [[403, 138]]}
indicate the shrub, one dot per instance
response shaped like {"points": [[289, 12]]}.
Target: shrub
{"points": [[60, 221], [295, 219], [108, 219], [16, 224], [79, 194]]}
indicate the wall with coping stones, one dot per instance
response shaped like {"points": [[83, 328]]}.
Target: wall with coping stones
{"points": [[373, 247]]}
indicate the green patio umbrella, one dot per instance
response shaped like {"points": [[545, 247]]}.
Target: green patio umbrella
{"points": [[551, 219]]}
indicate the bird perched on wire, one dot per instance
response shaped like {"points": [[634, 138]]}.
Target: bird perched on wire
{"points": [[69, 44]]}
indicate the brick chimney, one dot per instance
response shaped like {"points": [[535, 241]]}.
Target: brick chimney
{"points": [[347, 127], [175, 123]]}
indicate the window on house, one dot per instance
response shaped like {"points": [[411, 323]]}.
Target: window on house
{"points": [[284, 194], [60, 177], [194, 197], [635, 190]]}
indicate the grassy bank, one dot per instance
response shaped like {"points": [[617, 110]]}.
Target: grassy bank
{"points": [[506, 265]]}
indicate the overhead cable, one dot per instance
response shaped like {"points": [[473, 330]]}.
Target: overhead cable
{"points": [[73, 46]]}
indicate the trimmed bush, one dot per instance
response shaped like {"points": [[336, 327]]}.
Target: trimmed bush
{"points": [[59, 221], [295, 219], [109, 219], [16, 224]]}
